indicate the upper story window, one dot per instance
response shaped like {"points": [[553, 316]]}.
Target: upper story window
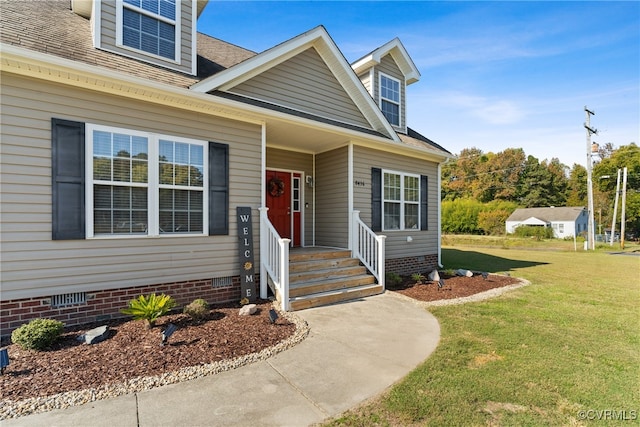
{"points": [[150, 26], [401, 199], [145, 184], [390, 99]]}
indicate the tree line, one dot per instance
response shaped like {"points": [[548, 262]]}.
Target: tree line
{"points": [[480, 190]]}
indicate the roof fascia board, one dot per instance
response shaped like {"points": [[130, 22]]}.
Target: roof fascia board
{"points": [[402, 149], [328, 51], [29, 63]]}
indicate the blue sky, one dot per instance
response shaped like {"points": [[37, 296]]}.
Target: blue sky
{"points": [[495, 75]]}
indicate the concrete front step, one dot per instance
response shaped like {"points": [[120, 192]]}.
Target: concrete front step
{"points": [[334, 296]]}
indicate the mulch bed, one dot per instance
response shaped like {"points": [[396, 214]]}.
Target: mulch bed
{"points": [[133, 350], [454, 287]]}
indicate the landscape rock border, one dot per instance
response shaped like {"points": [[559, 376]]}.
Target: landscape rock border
{"points": [[15, 409], [481, 296]]}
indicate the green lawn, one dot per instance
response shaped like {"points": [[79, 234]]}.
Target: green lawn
{"points": [[565, 347]]}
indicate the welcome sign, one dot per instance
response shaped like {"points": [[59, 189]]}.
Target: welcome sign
{"points": [[245, 253]]}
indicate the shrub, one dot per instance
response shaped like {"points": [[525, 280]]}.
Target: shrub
{"points": [[393, 279], [537, 232], [37, 334], [198, 309], [150, 307], [418, 278]]}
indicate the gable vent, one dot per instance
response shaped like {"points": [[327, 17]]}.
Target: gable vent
{"points": [[65, 300]]}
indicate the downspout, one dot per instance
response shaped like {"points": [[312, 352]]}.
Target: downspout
{"points": [[439, 204]]}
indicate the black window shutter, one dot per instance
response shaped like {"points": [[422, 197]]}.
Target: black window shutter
{"points": [[218, 189], [424, 205], [376, 199], [67, 173]]}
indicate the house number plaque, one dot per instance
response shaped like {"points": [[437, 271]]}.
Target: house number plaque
{"points": [[245, 254]]}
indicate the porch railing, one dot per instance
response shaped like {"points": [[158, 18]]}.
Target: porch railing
{"points": [[274, 261], [368, 247]]}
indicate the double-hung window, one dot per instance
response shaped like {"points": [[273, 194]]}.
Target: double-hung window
{"points": [[144, 183], [401, 200], [150, 26], [390, 99]]}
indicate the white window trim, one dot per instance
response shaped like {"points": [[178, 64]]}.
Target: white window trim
{"points": [[153, 184], [177, 24], [401, 201], [399, 103]]}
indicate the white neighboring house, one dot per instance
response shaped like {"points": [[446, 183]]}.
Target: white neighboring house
{"points": [[565, 221]]}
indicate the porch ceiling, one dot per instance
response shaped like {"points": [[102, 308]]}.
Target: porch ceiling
{"points": [[297, 137]]}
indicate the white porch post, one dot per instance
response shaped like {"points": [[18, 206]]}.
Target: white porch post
{"points": [[351, 241], [263, 210]]}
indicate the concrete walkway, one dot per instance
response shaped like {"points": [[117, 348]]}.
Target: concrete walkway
{"points": [[354, 351]]}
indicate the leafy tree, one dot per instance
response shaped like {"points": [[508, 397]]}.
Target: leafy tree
{"points": [[605, 178], [577, 186], [461, 216], [543, 184]]}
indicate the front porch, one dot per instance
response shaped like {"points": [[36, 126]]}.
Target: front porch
{"points": [[305, 277], [321, 276]]}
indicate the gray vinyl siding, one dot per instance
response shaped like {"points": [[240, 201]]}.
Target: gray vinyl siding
{"points": [[294, 161], [108, 38], [365, 78], [424, 242], [389, 67], [332, 216], [304, 83], [32, 264]]}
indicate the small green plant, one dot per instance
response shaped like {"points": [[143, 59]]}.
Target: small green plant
{"points": [[38, 334], [393, 279], [149, 307], [418, 278], [198, 309]]}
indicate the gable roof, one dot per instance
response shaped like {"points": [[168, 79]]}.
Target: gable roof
{"points": [[547, 214], [319, 39], [415, 139], [397, 50]]}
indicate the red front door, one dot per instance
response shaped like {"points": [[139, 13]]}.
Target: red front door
{"points": [[279, 202]]}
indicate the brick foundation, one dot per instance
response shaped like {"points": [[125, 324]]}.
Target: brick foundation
{"points": [[105, 305], [409, 265]]}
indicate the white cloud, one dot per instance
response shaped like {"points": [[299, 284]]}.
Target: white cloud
{"points": [[489, 110]]}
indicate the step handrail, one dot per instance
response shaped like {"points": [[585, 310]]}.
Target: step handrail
{"points": [[368, 247], [274, 260]]}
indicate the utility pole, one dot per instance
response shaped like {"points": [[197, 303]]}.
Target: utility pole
{"points": [[615, 209], [624, 202], [591, 244]]}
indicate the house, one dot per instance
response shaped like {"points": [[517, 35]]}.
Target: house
{"points": [[565, 221], [139, 156]]}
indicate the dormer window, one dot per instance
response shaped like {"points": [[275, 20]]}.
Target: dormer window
{"points": [[150, 26], [390, 99]]}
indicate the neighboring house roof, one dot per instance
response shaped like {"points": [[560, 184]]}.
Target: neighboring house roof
{"points": [[319, 39], [546, 214], [399, 54], [28, 24]]}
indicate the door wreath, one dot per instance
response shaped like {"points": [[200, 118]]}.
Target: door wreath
{"points": [[276, 187]]}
